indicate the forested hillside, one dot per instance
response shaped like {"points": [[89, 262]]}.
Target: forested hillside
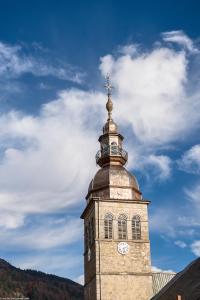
{"points": [[36, 285]]}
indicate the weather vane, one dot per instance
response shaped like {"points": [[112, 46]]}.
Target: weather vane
{"points": [[108, 85]]}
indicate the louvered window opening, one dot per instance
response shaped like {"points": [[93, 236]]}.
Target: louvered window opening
{"points": [[136, 228], [122, 228], [108, 227]]}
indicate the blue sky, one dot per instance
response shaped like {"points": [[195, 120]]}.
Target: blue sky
{"points": [[53, 60]]}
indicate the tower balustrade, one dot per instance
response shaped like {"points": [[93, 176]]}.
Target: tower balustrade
{"points": [[112, 150]]}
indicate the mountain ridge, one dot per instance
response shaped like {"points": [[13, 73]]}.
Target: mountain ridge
{"points": [[36, 285]]}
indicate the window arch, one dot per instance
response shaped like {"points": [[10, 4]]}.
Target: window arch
{"points": [[114, 148], [108, 226], [104, 149], [136, 228], [122, 227]]}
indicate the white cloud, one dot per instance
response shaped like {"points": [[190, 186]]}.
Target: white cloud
{"points": [[40, 152], [179, 37], [159, 165], [195, 247], [80, 279], [173, 225], [180, 244], [158, 270], [193, 195], [163, 221], [43, 234], [129, 49], [44, 157], [151, 95], [59, 263], [11, 220], [47, 161], [190, 161], [162, 163], [14, 63]]}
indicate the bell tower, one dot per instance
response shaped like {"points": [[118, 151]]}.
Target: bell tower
{"points": [[116, 237]]}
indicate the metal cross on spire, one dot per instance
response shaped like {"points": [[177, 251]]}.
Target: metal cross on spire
{"points": [[108, 85]]}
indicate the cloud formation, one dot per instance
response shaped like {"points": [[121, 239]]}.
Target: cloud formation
{"points": [[151, 94], [43, 157], [45, 233], [192, 194], [14, 62], [158, 270], [47, 161], [80, 279], [158, 166], [180, 244], [60, 262], [190, 160], [195, 247], [179, 37]]}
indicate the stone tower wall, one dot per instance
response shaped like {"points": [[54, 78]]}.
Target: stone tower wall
{"points": [[109, 274]]}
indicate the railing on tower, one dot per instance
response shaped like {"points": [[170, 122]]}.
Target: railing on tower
{"points": [[112, 150]]}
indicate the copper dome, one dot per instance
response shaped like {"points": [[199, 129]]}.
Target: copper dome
{"points": [[112, 176]]}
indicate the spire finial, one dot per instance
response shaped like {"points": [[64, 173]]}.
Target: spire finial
{"points": [[109, 104], [108, 85]]}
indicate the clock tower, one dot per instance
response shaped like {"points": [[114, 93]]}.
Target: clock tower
{"points": [[116, 237]]}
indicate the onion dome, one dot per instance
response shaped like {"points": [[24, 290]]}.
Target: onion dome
{"points": [[114, 182]]}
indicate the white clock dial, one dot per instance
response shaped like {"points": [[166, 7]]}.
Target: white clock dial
{"points": [[123, 248]]}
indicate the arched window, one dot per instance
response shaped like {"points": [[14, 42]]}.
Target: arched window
{"points": [[104, 149], [114, 148], [136, 228], [108, 226], [122, 227]]}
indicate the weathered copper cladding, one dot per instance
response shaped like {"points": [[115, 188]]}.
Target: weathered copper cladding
{"points": [[114, 178], [109, 159]]}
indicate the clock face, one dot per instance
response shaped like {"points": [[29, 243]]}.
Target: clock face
{"points": [[123, 248]]}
